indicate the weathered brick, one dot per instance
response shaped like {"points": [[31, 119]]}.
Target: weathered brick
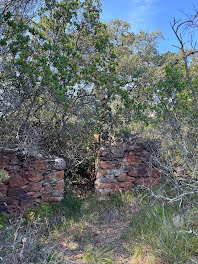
{"points": [[41, 165], [155, 173], [103, 172], [106, 165], [34, 186], [34, 176], [127, 185], [55, 174], [133, 173], [17, 181], [130, 159], [34, 194]]}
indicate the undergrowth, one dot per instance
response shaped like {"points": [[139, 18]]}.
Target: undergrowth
{"points": [[77, 226]]}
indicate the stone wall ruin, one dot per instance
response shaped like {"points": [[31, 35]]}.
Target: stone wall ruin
{"points": [[31, 180], [121, 167]]}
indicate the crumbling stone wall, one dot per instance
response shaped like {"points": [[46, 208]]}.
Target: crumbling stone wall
{"points": [[123, 166], [31, 180]]}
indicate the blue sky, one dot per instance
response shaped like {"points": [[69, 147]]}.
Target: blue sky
{"points": [[149, 15]]}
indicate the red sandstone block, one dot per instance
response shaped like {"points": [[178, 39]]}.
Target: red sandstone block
{"points": [[106, 165], [47, 189], [34, 194], [34, 176], [55, 174], [58, 185], [17, 181], [130, 179], [34, 186], [132, 158], [133, 173], [122, 177], [155, 173], [103, 172], [127, 185], [3, 189], [41, 165]]}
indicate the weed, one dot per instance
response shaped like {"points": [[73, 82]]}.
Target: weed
{"points": [[155, 229], [101, 255], [3, 221]]}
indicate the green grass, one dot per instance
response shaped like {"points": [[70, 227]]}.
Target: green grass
{"points": [[156, 230], [101, 255]]}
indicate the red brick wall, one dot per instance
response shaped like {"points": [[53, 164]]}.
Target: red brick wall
{"points": [[31, 180], [124, 166]]}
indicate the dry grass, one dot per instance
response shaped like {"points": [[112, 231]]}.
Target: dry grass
{"points": [[75, 231], [83, 230]]}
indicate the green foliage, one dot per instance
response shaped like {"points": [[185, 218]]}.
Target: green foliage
{"points": [[174, 94], [3, 175], [43, 210], [3, 221]]}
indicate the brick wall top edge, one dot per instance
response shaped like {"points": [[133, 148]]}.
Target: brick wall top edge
{"points": [[56, 162], [136, 143]]}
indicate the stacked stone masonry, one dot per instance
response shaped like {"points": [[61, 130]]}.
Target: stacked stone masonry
{"points": [[123, 166], [30, 181]]}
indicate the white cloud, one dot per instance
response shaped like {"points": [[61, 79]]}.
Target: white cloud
{"points": [[141, 12]]}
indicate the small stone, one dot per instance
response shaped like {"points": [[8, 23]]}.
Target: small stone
{"points": [[141, 172], [63, 245], [34, 194], [57, 193], [13, 210], [34, 176], [41, 165], [15, 192], [59, 185], [53, 180], [17, 181], [103, 172], [155, 173], [34, 186], [52, 199], [55, 175], [127, 185], [133, 173], [118, 152], [59, 164], [106, 165], [130, 159]]}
